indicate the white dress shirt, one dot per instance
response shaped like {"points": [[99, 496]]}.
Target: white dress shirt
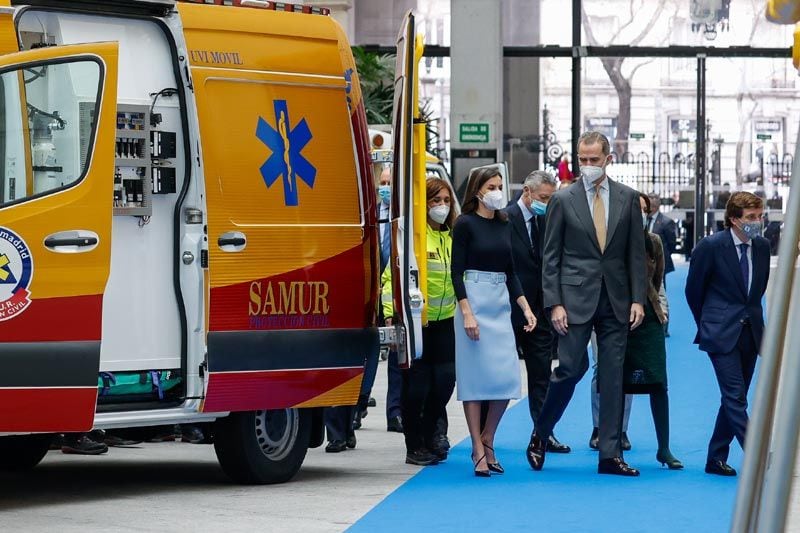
{"points": [[737, 241], [652, 221], [526, 214], [604, 193]]}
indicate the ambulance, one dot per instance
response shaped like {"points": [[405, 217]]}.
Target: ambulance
{"points": [[188, 227]]}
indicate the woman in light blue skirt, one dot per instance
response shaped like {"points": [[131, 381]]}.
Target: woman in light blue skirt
{"points": [[487, 365]]}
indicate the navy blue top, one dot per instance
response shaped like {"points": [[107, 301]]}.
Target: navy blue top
{"points": [[482, 244]]}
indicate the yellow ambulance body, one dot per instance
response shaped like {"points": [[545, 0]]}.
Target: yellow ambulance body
{"points": [[186, 200]]}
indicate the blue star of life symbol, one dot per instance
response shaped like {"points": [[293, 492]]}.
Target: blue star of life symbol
{"points": [[286, 143]]}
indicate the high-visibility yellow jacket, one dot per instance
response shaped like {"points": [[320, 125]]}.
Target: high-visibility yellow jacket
{"points": [[441, 297]]}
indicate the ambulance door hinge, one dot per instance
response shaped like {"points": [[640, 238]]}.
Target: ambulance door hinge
{"points": [[202, 369], [204, 258]]}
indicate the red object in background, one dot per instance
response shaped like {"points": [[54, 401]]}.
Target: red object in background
{"points": [[564, 173]]}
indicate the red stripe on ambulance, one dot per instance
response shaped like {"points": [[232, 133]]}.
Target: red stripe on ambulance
{"points": [[54, 409], [71, 318], [275, 389]]}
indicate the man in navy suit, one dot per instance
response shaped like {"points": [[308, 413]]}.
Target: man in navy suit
{"points": [[727, 279], [538, 348]]}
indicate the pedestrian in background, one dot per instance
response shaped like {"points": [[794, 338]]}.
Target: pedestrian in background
{"points": [[537, 349], [727, 279], [342, 421], [645, 368], [487, 367], [666, 229]]}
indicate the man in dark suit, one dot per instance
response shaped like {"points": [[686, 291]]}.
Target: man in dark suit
{"points": [[593, 278], [664, 227], [537, 349], [727, 279]]}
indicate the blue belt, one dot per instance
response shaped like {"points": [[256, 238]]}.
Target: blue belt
{"points": [[486, 277]]}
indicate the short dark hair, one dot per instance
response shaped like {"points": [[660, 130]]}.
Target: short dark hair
{"points": [[593, 137], [738, 202]]}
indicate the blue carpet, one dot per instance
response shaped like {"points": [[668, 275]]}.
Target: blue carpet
{"points": [[568, 495]]}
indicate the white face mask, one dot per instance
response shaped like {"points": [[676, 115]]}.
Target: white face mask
{"points": [[493, 200], [439, 213], [592, 173]]}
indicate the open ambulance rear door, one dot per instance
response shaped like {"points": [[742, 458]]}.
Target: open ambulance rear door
{"points": [[57, 137], [407, 210]]}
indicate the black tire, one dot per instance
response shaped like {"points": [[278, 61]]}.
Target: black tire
{"points": [[262, 447], [20, 453]]}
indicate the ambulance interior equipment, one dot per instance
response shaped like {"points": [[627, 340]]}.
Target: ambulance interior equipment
{"points": [[149, 168]]}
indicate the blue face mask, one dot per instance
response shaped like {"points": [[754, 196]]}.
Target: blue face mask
{"points": [[538, 208], [385, 192]]}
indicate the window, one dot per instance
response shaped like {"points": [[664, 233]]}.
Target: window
{"points": [[47, 117]]}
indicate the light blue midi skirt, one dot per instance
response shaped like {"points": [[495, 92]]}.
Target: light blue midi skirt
{"points": [[487, 369]]}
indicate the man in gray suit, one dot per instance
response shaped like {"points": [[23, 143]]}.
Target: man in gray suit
{"points": [[593, 278]]}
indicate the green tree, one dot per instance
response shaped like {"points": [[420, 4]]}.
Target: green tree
{"points": [[376, 72]]}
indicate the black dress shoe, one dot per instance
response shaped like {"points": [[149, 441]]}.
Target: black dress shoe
{"points": [[336, 446], [616, 466], [421, 457], [440, 453], [625, 442], [357, 419], [441, 442], [192, 434], [536, 452], [553, 446], [351, 441], [720, 468], [82, 445], [394, 424], [371, 402], [594, 440]]}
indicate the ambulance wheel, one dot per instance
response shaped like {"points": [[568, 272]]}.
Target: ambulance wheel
{"points": [[263, 447], [19, 453]]}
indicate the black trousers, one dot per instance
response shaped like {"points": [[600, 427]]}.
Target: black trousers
{"points": [[428, 385], [573, 362], [339, 422], [734, 372], [537, 349]]}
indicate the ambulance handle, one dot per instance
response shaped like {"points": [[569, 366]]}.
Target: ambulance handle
{"points": [[83, 241], [71, 241], [232, 241]]}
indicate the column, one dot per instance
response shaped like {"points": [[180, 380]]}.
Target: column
{"points": [[476, 86]]}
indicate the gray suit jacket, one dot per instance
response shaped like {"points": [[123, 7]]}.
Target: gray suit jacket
{"points": [[573, 265]]}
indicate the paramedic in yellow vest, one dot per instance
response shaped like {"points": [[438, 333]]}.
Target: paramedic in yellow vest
{"points": [[428, 384]]}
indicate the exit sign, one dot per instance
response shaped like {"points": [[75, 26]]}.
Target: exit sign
{"points": [[637, 136], [477, 132], [763, 136]]}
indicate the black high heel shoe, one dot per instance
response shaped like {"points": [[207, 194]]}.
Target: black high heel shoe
{"points": [[495, 467], [481, 473], [666, 458]]}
